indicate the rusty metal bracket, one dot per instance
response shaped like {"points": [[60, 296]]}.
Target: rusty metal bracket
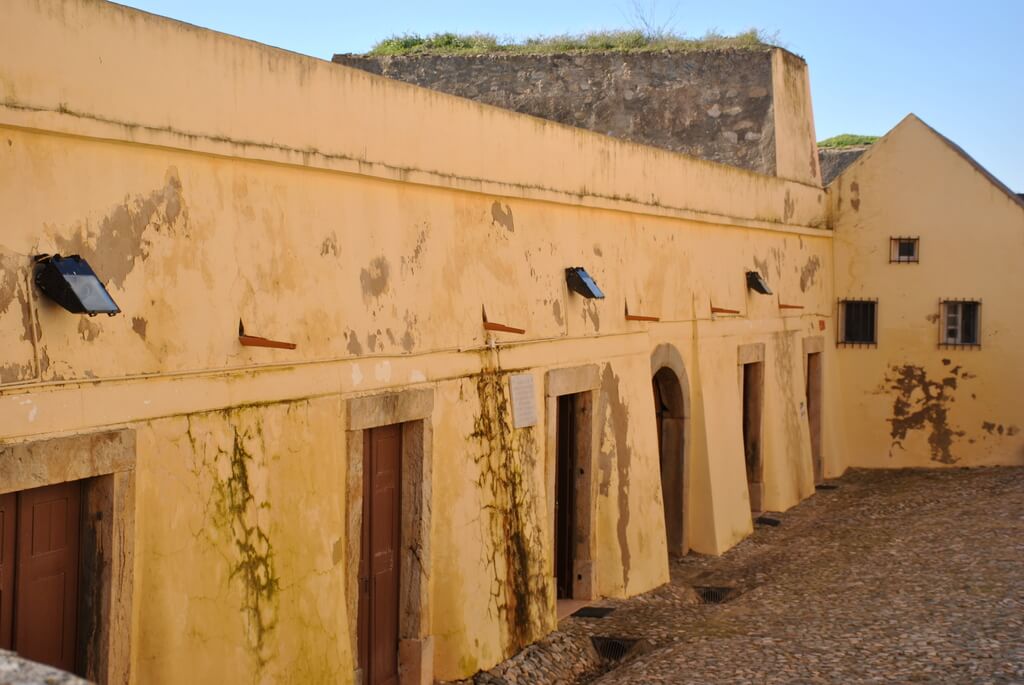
{"points": [[500, 327], [257, 341], [639, 317]]}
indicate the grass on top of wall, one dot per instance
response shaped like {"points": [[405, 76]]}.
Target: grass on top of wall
{"points": [[596, 41], [847, 140]]}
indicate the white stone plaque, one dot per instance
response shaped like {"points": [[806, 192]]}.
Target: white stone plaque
{"points": [[524, 404]]}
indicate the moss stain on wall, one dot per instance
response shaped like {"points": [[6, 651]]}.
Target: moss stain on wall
{"points": [[506, 459], [234, 511]]}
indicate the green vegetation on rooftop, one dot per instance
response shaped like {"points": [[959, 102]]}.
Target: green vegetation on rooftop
{"points": [[597, 41], [847, 140]]}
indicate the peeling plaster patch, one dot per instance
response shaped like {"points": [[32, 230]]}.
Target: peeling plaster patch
{"points": [[118, 241], [780, 257], [382, 371], [391, 336], [788, 207], [1012, 430], [988, 427], [503, 216], [417, 376], [923, 404], [762, 266], [615, 449], [556, 309], [590, 312], [139, 325], [88, 330], [597, 250], [374, 279], [354, 346], [33, 413], [855, 196], [409, 338], [809, 272], [12, 287], [934, 318], [329, 246], [371, 342], [357, 374], [411, 262], [12, 373], [408, 341]]}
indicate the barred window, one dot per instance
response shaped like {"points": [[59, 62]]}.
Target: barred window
{"points": [[904, 250], [858, 322], [961, 323]]}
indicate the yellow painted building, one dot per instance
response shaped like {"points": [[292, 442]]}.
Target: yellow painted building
{"points": [[940, 384], [399, 238]]}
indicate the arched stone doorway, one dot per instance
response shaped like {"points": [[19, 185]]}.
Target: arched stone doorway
{"points": [[671, 406]]}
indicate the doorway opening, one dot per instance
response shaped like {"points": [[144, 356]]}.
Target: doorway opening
{"points": [[670, 415], [753, 395], [566, 469], [814, 408], [40, 530], [379, 566]]}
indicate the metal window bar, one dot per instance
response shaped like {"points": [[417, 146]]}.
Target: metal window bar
{"points": [[896, 250], [858, 322], [959, 323]]}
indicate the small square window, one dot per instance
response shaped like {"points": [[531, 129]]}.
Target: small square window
{"points": [[961, 323], [858, 322], [904, 250]]}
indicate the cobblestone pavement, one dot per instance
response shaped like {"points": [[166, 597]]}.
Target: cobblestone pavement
{"points": [[894, 577]]}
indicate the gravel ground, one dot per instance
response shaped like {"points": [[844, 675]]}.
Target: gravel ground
{"points": [[894, 577]]}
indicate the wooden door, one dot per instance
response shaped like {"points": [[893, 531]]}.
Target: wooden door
{"points": [[46, 585], [8, 532], [380, 560], [565, 497], [814, 413], [753, 387]]}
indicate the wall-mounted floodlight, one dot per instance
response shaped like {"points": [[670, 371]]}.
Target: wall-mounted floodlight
{"points": [[580, 282], [756, 283], [71, 283]]}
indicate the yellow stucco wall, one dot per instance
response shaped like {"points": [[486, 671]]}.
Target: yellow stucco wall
{"points": [[796, 151], [908, 401], [369, 222]]}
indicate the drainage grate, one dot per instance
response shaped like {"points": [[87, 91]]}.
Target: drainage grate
{"points": [[613, 648], [714, 595], [592, 612]]}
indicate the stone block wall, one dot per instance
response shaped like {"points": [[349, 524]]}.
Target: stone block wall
{"points": [[835, 160], [715, 105]]}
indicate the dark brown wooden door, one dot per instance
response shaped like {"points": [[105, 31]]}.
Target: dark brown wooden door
{"points": [[379, 566], [753, 385], [814, 413], [8, 531], [565, 497], [46, 586]]}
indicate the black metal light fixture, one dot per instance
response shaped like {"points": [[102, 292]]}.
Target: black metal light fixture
{"points": [[71, 283], [757, 283], [581, 282]]}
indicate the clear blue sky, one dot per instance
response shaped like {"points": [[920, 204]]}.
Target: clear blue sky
{"points": [[957, 64]]}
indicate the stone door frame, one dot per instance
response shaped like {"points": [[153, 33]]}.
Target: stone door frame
{"points": [[105, 464], [412, 409], [666, 356], [583, 381]]}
